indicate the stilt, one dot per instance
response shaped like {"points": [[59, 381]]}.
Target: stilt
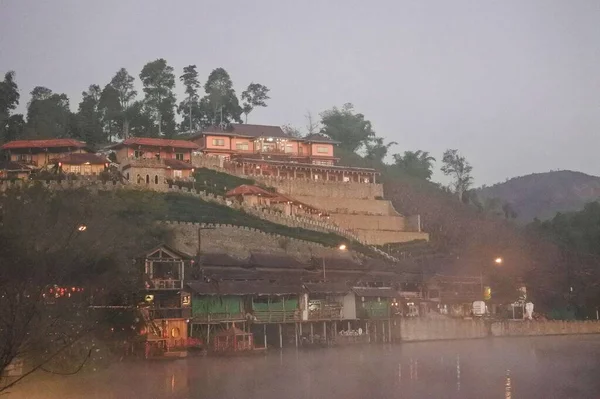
{"points": [[390, 330], [280, 337], [375, 330], [335, 328], [265, 334], [325, 331], [348, 325], [367, 330], [312, 333], [296, 333], [208, 336]]}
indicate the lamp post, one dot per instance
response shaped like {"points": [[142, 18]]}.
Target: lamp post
{"points": [[341, 247]]}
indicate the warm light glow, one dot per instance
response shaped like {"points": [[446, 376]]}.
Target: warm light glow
{"points": [[83, 227], [342, 247], [498, 260]]}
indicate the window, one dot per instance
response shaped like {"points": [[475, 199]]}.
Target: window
{"points": [[218, 142], [147, 179], [289, 148], [24, 157], [321, 149], [243, 146], [127, 175], [179, 156], [76, 169], [177, 173], [137, 154], [155, 179]]}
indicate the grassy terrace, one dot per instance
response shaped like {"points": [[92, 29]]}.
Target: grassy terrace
{"points": [[186, 208]]}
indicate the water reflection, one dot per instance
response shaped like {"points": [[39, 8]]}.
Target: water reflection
{"points": [[540, 368]]}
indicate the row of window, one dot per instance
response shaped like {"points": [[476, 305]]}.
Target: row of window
{"points": [[140, 154], [289, 148]]}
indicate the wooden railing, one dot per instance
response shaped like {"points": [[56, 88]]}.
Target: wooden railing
{"points": [[165, 284], [329, 312], [276, 316], [210, 317]]}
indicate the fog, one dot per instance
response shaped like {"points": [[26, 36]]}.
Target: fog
{"points": [[542, 367]]}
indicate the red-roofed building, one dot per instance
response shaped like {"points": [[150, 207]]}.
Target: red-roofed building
{"points": [[83, 164], [154, 148], [42, 152]]}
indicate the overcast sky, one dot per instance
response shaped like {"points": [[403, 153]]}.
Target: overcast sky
{"points": [[513, 84]]}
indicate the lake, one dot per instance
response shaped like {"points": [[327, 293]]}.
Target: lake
{"points": [[538, 367]]}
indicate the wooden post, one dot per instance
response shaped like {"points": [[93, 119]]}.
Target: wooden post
{"points": [[375, 330], [367, 330], [265, 334], [389, 330], [312, 333], [208, 336], [296, 333], [280, 337], [348, 325], [325, 331]]}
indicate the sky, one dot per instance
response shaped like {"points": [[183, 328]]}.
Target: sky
{"points": [[514, 85]]}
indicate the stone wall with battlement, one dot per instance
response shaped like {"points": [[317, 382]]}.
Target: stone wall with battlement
{"points": [[348, 205], [329, 189], [241, 241], [382, 237], [64, 184], [352, 222]]}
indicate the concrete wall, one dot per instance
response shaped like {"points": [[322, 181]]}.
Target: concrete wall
{"points": [[554, 327], [352, 222], [347, 205], [330, 189], [416, 329], [382, 237]]}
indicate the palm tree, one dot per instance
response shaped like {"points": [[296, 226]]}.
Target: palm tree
{"points": [[376, 150], [415, 163]]}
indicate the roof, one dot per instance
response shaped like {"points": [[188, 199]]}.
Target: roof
{"points": [[167, 248], [243, 129], [221, 259], [14, 166], [41, 144], [177, 164], [327, 288], [247, 189], [276, 261], [376, 292], [243, 288], [154, 142], [80, 159], [320, 138]]}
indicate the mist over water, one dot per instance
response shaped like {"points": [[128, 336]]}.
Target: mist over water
{"points": [[542, 367]]}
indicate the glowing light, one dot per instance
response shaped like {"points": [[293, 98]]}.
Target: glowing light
{"points": [[82, 227], [499, 261], [342, 247]]}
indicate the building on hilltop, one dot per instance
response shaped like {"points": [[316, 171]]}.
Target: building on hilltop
{"points": [[40, 153], [82, 164], [153, 161]]}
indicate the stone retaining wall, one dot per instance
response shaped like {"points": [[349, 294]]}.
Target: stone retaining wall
{"points": [[417, 329], [512, 328]]}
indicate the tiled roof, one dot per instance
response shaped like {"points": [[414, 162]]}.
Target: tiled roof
{"points": [[319, 138], [247, 189], [14, 166], [80, 159], [327, 288], [50, 143], [154, 142], [243, 129]]}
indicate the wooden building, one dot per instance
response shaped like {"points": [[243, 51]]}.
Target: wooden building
{"points": [[42, 152], [84, 164]]}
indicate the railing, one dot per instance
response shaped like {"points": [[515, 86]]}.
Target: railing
{"points": [[411, 294], [372, 313], [217, 317], [166, 284], [276, 316]]}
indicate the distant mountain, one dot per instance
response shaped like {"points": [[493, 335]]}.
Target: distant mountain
{"points": [[541, 195]]}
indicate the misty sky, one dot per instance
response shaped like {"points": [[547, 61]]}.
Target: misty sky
{"points": [[514, 85]]}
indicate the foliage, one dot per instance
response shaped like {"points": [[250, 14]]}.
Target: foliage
{"points": [[48, 114], [291, 131], [220, 104], [112, 115], [43, 245], [159, 81], [189, 107], [352, 130], [456, 166], [418, 163], [217, 182], [376, 150], [89, 117], [254, 96], [9, 99], [122, 82]]}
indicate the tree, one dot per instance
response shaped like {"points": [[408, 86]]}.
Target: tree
{"points": [[291, 131], [48, 114], [312, 126], [14, 127], [9, 99], [220, 102], [459, 169], [254, 96], [376, 150], [110, 108], [89, 117], [141, 120], [418, 163], [188, 106], [350, 129], [122, 82], [69, 238], [159, 81]]}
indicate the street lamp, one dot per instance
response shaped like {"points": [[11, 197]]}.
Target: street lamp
{"points": [[498, 261], [82, 227], [342, 247]]}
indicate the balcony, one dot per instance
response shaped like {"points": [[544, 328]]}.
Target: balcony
{"points": [[217, 317], [276, 316], [169, 313], [164, 284], [327, 312]]}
